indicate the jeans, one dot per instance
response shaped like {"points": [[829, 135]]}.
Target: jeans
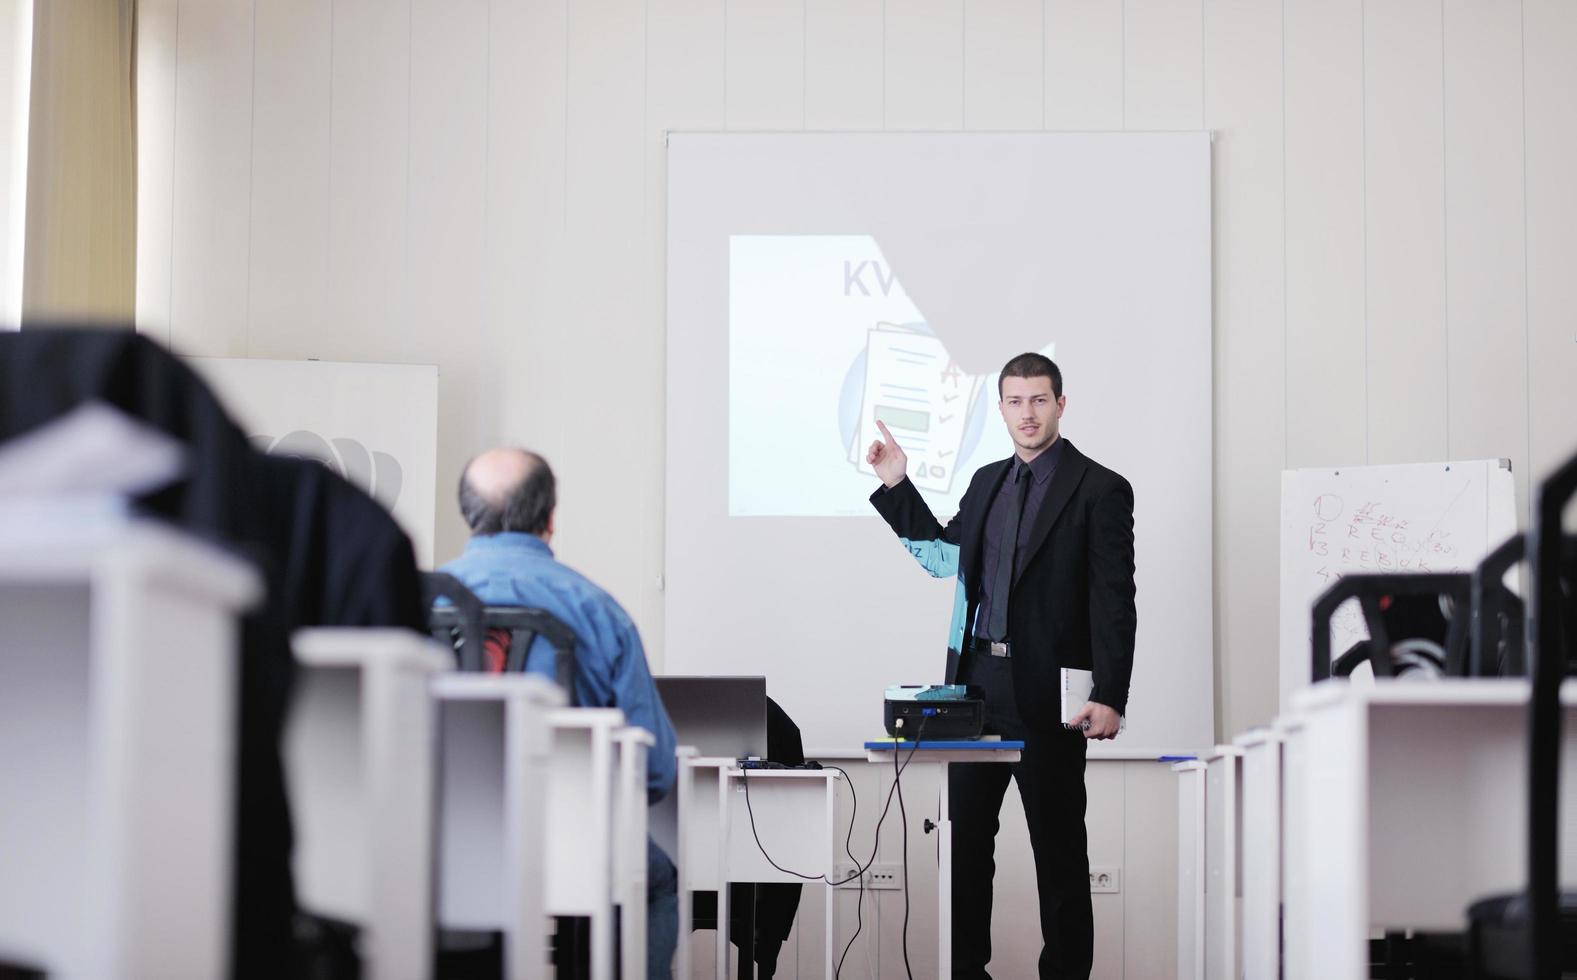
{"points": [[662, 912]]}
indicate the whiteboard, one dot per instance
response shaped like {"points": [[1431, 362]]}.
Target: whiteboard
{"points": [[374, 424], [1420, 517], [801, 267]]}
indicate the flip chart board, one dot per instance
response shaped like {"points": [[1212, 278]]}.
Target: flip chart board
{"points": [[1424, 517]]}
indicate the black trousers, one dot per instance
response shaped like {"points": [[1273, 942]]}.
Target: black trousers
{"points": [[1050, 778]]}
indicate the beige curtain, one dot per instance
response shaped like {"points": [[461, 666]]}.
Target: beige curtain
{"points": [[79, 261]]}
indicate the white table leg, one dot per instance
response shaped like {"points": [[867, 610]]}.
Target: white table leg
{"points": [[830, 892], [944, 885], [685, 790], [721, 971], [602, 918]]}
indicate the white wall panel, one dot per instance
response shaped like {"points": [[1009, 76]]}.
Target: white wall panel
{"points": [[1149, 884], [686, 57], [1163, 64], [369, 170], [1404, 172], [527, 61], [1486, 295], [1243, 106], [1327, 335], [1004, 48], [156, 62], [1084, 64], [924, 64], [290, 177], [1549, 38], [766, 64], [844, 64], [212, 178], [606, 299], [446, 226]]}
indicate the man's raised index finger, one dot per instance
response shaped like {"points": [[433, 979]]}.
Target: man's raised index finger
{"points": [[885, 434]]}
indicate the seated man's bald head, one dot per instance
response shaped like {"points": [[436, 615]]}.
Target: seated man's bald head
{"points": [[508, 490]]}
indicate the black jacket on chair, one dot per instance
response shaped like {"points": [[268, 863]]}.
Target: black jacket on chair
{"points": [[328, 553]]}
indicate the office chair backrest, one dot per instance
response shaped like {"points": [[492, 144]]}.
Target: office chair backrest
{"points": [[465, 625], [457, 624], [523, 626], [1549, 614], [1498, 647], [1370, 589]]}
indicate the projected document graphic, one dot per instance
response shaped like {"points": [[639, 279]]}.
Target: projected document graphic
{"points": [[823, 342]]}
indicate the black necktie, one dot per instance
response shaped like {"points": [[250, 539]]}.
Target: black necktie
{"points": [[997, 626]]}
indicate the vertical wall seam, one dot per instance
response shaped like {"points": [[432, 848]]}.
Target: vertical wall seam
{"points": [[1445, 229], [251, 190], [1286, 329], [1363, 85], [564, 185], [1527, 314], [725, 66], [487, 166], [175, 121], [328, 212], [410, 99]]}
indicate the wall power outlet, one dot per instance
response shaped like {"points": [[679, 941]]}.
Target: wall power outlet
{"points": [[878, 876], [1105, 879]]}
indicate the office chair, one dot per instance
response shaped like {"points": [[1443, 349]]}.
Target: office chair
{"points": [[1498, 640], [460, 620], [1396, 602], [1532, 935]]}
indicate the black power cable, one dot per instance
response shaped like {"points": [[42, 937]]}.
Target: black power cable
{"points": [[903, 821], [860, 869], [848, 848]]}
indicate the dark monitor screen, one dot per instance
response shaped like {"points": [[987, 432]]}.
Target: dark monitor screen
{"points": [[721, 716]]}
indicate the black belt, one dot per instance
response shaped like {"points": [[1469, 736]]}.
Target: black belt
{"points": [[981, 645]]}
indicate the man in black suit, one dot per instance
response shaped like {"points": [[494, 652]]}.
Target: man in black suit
{"points": [[1042, 549]]}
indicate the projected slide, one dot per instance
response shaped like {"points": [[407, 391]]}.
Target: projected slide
{"points": [[823, 342]]}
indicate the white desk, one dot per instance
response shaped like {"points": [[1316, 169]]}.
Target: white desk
{"points": [[943, 754], [688, 831], [580, 792], [118, 667], [1260, 843], [1223, 880], [1415, 800], [795, 817], [1296, 837], [794, 812], [631, 746], [495, 747], [360, 752], [1191, 871]]}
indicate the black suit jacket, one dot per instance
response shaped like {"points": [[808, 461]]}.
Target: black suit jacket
{"points": [[1072, 602]]}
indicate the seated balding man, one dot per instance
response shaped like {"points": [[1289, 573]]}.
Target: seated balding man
{"points": [[507, 497]]}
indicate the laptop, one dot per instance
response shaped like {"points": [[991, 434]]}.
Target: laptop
{"points": [[721, 716]]}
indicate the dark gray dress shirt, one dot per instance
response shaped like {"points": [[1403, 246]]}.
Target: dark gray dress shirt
{"points": [[1041, 470]]}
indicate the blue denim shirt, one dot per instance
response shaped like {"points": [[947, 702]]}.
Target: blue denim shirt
{"points": [[513, 569]]}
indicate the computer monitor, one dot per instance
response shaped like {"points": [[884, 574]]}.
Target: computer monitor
{"points": [[721, 716]]}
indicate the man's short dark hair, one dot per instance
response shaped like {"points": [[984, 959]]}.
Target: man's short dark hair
{"points": [[526, 507], [1032, 366]]}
